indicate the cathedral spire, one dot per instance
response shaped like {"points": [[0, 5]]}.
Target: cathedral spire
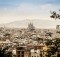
{"points": [[31, 26]]}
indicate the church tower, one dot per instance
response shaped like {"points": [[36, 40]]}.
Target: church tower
{"points": [[31, 27]]}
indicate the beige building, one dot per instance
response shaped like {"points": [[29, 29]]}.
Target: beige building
{"points": [[29, 51], [22, 51], [35, 53]]}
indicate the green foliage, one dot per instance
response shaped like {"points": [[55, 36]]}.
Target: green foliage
{"points": [[55, 15], [53, 50], [53, 45], [48, 42], [5, 53]]}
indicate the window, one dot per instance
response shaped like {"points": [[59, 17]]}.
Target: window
{"points": [[34, 56], [22, 55], [22, 52]]}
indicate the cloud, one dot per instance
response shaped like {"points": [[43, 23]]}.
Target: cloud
{"points": [[27, 10]]}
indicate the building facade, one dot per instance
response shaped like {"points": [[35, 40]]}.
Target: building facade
{"points": [[22, 51]]}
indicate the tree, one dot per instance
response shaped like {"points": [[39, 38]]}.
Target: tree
{"points": [[48, 42], [4, 52], [57, 43], [53, 46], [55, 15]]}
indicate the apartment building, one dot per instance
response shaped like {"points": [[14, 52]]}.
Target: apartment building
{"points": [[22, 51], [29, 51]]}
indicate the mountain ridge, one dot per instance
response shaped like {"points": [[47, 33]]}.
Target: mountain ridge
{"points": [[36, 22]]}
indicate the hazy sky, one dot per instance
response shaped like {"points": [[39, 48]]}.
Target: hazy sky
{"points": [[12, 10]]}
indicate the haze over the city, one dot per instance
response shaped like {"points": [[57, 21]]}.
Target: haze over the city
{"points": [[15, 10]]}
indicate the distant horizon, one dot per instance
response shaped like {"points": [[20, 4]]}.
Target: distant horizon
{"points": [[43, 24]]}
